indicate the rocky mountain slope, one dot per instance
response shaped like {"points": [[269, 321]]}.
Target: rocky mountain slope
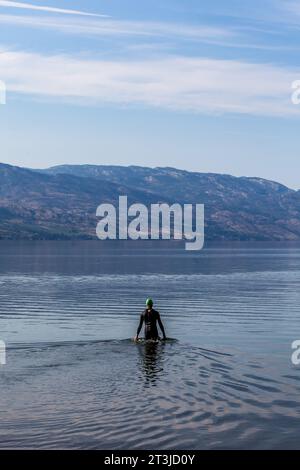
{"points": [[61, 202]]}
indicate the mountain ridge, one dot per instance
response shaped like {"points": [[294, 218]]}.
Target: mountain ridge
{"points": [[60, 202], [67, 169]]}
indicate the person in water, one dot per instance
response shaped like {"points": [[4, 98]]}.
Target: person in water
{"points": [[150, 317]]}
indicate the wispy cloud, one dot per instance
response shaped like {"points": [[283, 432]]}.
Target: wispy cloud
{"points": [[30, 6], [292, 7], [223, 37], [284, 12], [197, 85], [108, 27]]}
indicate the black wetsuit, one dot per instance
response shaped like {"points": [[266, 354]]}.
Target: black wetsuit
{"points": [[150, 318]]}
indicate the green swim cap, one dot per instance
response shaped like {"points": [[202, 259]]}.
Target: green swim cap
{"points": [[149, 302]]}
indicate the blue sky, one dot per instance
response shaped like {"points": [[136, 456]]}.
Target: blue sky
{"points": [[199, 85]]}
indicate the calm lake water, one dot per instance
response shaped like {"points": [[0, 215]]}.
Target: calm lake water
{"points": [[74, 379]]}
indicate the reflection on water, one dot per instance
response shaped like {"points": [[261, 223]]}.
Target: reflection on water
{"points": [[151, 363], [73, 381]]}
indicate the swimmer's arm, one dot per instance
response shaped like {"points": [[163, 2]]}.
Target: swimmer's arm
{"points": [[139, 327], [161, 326]]}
